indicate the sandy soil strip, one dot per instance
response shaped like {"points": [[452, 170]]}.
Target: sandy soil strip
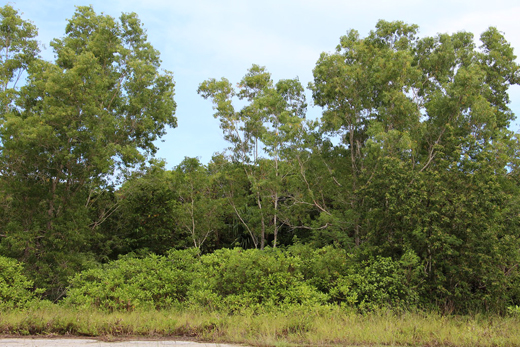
{"points": [[29, 342]]}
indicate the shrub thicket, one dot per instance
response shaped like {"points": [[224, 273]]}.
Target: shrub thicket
{"points": [[237, 279], [379, 282], [129, 282], [321, 267], [15, 289], [234, 279]]}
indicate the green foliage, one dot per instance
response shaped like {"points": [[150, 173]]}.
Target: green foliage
{"points": [[321, 267], [130, 283], [272, 121], [408, 183], [19, 50], [252, 279], [79, 121], [145, 219], [200, 205], [225, 280], [513, 310], [379, 283], [16, 291], [426, 154]]}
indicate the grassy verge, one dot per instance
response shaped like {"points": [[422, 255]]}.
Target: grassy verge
{"points": [[299, 326]]}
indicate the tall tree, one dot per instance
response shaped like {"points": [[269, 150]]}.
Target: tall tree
{"points": [[269, 121], [367, 81], [95, 110], [18, 49], [144, 218], [200, 208], [425, 124]]}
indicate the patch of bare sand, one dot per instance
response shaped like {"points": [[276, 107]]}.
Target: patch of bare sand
{"points": [[91, 342]]}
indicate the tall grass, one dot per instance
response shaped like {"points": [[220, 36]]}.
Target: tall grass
{"points": [[317, 326]]}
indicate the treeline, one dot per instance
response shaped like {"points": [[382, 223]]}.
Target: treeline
{"points": [[411, 173]]}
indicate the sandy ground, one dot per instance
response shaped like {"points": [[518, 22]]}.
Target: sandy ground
{"points": [[62, 342]]}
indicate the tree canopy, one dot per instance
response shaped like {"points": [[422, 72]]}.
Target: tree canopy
{"points": [[404, 191], [96, 109]]}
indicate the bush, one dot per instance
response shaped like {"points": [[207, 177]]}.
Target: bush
{"points": [[238, 279], [235, 280], [321, 267], [378, 283], [130, 283], [15, 288]]}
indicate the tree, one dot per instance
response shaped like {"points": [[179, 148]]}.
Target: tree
{"points": [[367, 81], [200, 208], [19, 49], [425, 125], [270, 121], [78, 121], [144, 219]]}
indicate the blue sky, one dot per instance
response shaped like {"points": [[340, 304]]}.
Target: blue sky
{"points": [[200, 39]]}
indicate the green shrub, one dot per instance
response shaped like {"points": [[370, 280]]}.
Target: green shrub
{"points": [[238, 279], [514, 310], [130, 283], [321, 267], [15, 288], [377, 283]]}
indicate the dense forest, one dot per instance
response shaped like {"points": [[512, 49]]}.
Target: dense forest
{"points": [[404, 193]]}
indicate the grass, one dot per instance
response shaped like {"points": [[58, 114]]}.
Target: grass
{"points": [[322, 326]]}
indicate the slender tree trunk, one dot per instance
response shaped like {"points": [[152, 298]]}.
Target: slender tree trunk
{"points": [[192, 215], [353, 196], [52, 208], [262, 234], [275, 219]]}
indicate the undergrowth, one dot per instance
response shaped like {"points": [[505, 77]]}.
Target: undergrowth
{"points": [[298, 325]]}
